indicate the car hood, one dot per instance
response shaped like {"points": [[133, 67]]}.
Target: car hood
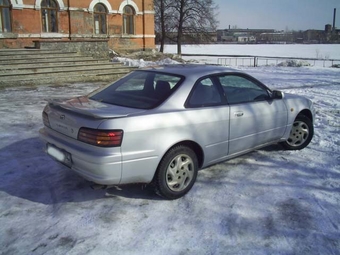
{"points": [[85, 106], [294, 97], [288, 95]]}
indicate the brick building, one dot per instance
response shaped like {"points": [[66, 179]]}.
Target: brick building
{"points": [[125, 24]]}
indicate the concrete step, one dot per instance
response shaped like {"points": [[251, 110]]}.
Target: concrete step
{"points": [[14, 52], [43, 60], [28, 51], [39, 56], [56, 73], [62, 79], [72, 62], [57, 68], [33, 67]]}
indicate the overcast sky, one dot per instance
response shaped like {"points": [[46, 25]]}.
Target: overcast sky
{"points": [[277, 14]]}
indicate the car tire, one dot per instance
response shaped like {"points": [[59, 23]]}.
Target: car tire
{"points": [[176, 173], [300, 135]]}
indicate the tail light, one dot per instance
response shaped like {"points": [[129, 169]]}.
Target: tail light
{"points": [[45, 119], [101, 138]]}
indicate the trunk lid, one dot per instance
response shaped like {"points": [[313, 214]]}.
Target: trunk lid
{"points": [[67, 117]]}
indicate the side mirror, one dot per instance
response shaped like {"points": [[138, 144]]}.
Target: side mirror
{"points": [[277, 94]]}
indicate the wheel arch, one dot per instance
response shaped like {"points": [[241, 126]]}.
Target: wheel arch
{"points": [[301, 133], [306, 113], [192, 145]]}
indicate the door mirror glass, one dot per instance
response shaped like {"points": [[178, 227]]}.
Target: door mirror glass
{"points": [[277, 94]]}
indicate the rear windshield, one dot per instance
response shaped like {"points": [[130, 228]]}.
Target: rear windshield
{"points": [[139, 89]]}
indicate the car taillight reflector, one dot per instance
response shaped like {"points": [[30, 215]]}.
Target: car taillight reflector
{"points": [[102, 138], [45, 119]]}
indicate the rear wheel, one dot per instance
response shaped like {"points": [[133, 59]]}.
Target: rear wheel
{"points": [[176, 173], [300, 135]]}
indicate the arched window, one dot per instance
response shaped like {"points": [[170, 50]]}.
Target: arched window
{"points": [[49, 15], [5, 16], [99, 14], [129, 20]]}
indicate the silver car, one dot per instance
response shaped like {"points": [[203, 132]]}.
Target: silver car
{"points": [[159, 125]]}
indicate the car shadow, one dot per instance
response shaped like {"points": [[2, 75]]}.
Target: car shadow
{"points": [[135, 191], [27, 172], [272, 147]]}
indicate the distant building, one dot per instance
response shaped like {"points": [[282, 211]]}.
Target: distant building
{"points": [[315, 36], [189, 38], [276, 37], [335, 38], [328, 28], [240, 35], [127, 24], [245, 38], [329, 35]]}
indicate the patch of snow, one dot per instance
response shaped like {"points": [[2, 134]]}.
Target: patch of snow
{"points": [[111, 51], [142, 63], [294, 63]]}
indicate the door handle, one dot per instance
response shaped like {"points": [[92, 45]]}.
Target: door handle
{"points": [[238, 114]]}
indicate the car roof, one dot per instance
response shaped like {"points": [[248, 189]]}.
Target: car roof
{"points": [[190, 70]]}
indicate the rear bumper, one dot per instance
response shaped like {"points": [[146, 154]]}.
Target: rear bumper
{"points": [[99, 165]]}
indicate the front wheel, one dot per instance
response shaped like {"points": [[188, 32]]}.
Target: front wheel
{"points": [[300, 135], [176, 173]]}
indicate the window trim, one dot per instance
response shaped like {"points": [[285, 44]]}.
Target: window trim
{"points": [[131, 3], [37, 4], [9, 7], [49, 9], [104, 2], [100, 23], [127, 16]]}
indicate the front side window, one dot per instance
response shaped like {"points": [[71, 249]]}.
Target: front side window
{"points": [[129, 20], [49, 15], [5, 17], [140, 89], [100, 19], [239, 89]]}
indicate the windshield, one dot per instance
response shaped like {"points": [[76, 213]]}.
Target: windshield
{"points": [[140, 89]]}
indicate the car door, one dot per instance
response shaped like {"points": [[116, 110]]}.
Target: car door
{"points": [[255, 118], [211, 117]]}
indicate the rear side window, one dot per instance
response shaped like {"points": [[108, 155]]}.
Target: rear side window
{"points": [[140, 89], [205, 93]]}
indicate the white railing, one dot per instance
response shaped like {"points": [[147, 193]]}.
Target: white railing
{"points": [[249, 60]]}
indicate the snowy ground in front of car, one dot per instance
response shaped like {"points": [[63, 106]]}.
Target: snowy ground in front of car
{"points": [[269, 201]]}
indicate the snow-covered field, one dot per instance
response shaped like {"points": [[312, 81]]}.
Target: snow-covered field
{"points": [[269, 201], [323, 52], [273, 50]]}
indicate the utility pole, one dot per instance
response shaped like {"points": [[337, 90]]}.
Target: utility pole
{"points": [[69, 20], [334, 17], [143, 3]]}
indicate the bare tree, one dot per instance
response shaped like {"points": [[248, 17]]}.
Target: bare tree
{"points": [[160, 21], [190, 18]]}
